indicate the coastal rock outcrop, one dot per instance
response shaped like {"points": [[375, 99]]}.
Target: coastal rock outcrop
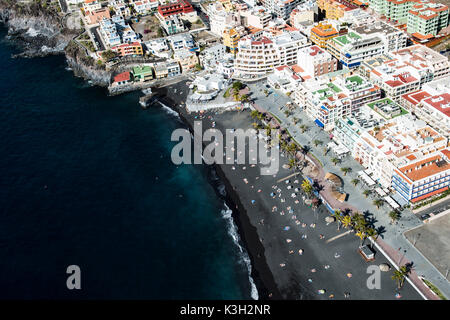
{"points": [[41, 31], [37, 30]]}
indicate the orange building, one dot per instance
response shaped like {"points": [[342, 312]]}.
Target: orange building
{"points": [[322, 33], [126, 49]]}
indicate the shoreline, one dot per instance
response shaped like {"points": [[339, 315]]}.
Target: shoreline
{"points": [[260, 271]]}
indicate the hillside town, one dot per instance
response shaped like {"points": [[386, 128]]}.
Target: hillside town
{"points": [[362, 83]]}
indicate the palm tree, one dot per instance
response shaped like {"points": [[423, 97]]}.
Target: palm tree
{"points": [[362, 235], [371, 233], [317, 142], [304, 150], [358, 221], [346, 221], [337, 215], [366, 193], [307, 187], [325, 150], [303, 127], [335, 161], [254, 114], [394, 215], [399, 276], [355, 182], [378, 203], [346, 170], [292, 163]]}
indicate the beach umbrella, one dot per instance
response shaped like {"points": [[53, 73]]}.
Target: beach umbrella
{"points": [[329, 219], [385, 267]]}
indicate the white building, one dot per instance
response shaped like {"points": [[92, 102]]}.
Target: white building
{"points": [[284, 79], [315, 61], [280, 8], [408, 70], [258, 17], [212, 55], [181, 41], [304, 13], [219, 18], [159, 47], [257, 57], [431, 104], [144, 7]]}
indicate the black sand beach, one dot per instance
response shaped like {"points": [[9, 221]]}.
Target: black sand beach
{"points": [[273, 238]]}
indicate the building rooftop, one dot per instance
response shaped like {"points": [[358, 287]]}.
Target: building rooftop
{"points": [[347, 38]]}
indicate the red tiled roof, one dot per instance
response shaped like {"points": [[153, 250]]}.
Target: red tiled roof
{"points": [[440, 102], [423, 170], [124, 76], [416, 96]]}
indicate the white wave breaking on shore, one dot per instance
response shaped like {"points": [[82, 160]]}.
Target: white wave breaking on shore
{"points": [[169, 110], [232, 230]]}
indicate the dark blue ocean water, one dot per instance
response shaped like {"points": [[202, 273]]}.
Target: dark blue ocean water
{"points": [[86, 179]]}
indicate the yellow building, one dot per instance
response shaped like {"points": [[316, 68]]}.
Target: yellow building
{"points": [[322, 33], [230, 39], [335, 9]]}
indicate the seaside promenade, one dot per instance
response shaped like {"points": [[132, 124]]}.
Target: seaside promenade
{"points": [[391, 239]]}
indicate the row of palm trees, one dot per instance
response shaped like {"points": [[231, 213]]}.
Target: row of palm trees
{"points": [[356, 222]]}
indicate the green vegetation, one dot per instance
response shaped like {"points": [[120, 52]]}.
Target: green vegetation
{"points": [[434, 289], [109, 55], [346, 170], [400, 275], [378, 203]]}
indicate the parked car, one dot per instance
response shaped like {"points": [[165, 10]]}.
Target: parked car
{"points": [[424, 216]]}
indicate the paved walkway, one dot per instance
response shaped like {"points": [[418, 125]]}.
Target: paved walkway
{"points": [[391, 235]]}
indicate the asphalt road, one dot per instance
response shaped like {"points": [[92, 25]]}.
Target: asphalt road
{"points": [[437, 208]]}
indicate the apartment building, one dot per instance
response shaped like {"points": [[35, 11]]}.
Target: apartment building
{"points": [[365, 41], [257, 57], [158, 47], [144, 7], [315, 61], [121, 8], [432, 104], [280, 8], [94, 17], [180, 7], [395, 144], [335, 9], [212, 55], [304, 13], [358, 90], [221, 19], [109, 32], [172, 25], [423, 177], [408, 70], [323, 101], [427, 18], [258, 17], [181, 41], [423, 17], [231, 39], [129, 49], [322, 33], [187, 59]]}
